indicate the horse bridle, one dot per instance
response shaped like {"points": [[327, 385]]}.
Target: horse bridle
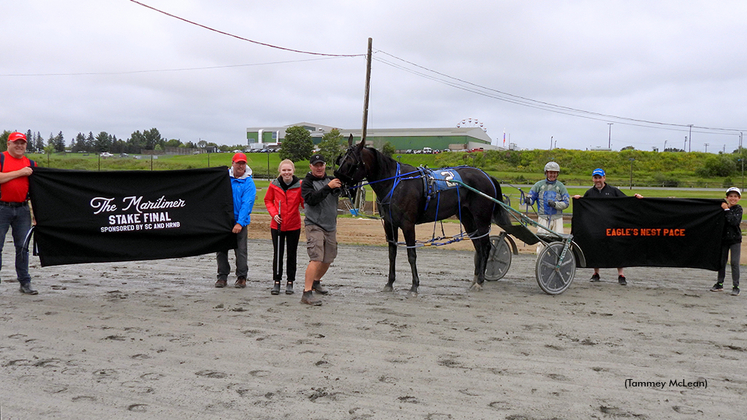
{"points": [[347, 179]]}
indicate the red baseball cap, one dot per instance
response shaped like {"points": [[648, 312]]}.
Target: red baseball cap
{"points": [[16, 136], [239, 157]]}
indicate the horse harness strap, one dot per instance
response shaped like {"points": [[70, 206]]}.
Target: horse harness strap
{"points": [[437, 180]]}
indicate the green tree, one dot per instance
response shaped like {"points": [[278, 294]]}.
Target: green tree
{"points": [[4, 140], [30, 141], [388, 149], [38, 142], [49, 148], [152, 138], [59, 142], [103, 142], [297, 144], [118, 146], [90, 143], [136, 142], [721, 165], [79, 143], [331, 146]]}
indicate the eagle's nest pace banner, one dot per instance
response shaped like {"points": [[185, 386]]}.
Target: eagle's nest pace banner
{"points": [[84, 217], [652, 232]]}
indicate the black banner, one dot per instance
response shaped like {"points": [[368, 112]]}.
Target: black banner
{"points": [[84, 216], [650, 232]]}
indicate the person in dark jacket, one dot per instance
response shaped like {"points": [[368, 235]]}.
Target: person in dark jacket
{"points": [[244, 193], [603, 190], [320, 194], [731, 240], [283, 201]]}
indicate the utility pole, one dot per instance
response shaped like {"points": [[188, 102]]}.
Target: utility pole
{"points": [[550, 142], [609, 137], [706, 147], [359, 191], [690, 148]]}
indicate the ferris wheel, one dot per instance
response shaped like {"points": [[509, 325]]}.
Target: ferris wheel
{"points": [[470, 123]]}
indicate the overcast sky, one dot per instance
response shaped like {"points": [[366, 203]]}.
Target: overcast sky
{"points": [[539, 70]]}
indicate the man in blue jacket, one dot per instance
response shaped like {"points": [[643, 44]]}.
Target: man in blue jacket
{"points": [[244, 193]]}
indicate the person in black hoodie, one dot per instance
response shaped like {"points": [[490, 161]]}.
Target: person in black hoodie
{"points": [[731, 240]]}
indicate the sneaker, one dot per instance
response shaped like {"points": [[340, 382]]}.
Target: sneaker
{"points": [[221, 283], [275, 288], [289, 288], [309, 299], [317, 287], [735, 291], [595, 278], [621, 280], [27, 290], [240, 283], [717, 287]]}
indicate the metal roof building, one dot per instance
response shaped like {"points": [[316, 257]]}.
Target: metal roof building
{"points": [[400, 138]]}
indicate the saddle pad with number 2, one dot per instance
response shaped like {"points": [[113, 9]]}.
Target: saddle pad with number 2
{"points": [[442, 179]]}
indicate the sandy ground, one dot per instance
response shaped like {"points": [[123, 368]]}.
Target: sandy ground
{"points": [[155, 340]]}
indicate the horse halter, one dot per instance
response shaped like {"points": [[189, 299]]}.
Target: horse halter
{"points": [[347, 178]]}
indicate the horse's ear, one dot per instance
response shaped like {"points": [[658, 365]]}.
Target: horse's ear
{"points": [[350, 141]]}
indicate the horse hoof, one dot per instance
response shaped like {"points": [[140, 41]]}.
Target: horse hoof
{"points": [[413, 293], [476, 287], [388, 288]]}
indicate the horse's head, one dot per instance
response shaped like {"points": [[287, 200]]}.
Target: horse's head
{"points": [[350, 167]]}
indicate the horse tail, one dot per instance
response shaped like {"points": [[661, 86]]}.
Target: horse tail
{"points": [[500, 215]]}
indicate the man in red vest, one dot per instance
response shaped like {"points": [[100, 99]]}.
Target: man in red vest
{"points": [[15, 169]]}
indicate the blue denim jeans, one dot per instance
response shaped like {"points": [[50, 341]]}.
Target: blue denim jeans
{"points": [[18, 219]]}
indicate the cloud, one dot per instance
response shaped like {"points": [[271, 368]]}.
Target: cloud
{"points": [[120, 67]]}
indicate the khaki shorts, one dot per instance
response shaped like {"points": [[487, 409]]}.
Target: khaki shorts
{"points": [[320, 244]]}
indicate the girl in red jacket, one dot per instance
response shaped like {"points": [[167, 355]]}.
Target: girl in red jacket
{"points": [[283, 201]]}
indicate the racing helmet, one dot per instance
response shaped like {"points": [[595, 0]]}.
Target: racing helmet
{"points": [[552, 166], [736, 190]]}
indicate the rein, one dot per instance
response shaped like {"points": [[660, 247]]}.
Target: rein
{"points": [[398, 178]]}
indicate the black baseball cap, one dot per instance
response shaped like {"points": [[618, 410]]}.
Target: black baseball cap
{"points": [[316, 159]]}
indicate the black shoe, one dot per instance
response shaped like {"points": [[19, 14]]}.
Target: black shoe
{"points": [[717, 287], [275, 288], [289, 288], [621, 280], [735, 291], [27, 290], [317, 287], [309, 299], [595, 278]]}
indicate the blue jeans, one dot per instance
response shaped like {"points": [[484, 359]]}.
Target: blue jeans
{"points": [[19, 220]]}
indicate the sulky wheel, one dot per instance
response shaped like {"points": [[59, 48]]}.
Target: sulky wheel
{"points": [[553, 275], [499, 259]]}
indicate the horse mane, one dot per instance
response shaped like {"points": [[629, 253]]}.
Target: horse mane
{"points": [[385, 165]]}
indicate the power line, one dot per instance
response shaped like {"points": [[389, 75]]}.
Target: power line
{"points": [[465, 85], [110, 73], [242, 38]]}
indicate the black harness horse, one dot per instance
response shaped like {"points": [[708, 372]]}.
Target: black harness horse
{"points": [[405, 198]]}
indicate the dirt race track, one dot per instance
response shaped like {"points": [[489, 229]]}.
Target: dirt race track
{"points": [[156, 340]]}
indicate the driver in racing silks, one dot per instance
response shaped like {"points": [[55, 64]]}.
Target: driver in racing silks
{"points": [[552, 198]]}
